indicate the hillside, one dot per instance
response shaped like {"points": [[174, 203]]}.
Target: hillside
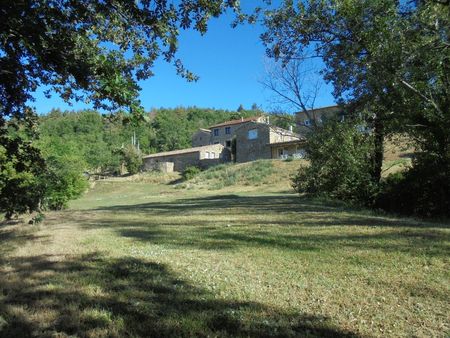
{"points": [[142, 256], [270, 175]]}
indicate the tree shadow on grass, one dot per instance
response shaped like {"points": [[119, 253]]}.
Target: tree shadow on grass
{"points": [[278, 204], [91, 295], [172, 224], [251, 204]]}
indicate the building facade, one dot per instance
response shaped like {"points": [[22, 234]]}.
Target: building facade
{"points": [[305, 121], [202, 157], [222, 133], [256, 141]]}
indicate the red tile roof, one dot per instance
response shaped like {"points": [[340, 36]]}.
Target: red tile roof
{"points": [[238, 121]]}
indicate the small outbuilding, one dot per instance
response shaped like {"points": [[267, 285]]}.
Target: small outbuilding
{"points": [[202, 157]]}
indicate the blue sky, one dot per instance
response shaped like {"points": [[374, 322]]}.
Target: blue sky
{"points": [[229, 62]]}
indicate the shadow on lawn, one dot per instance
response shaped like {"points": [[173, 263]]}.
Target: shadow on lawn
{"points": [[207, 232], [90, 295], [289, 203], [252, 204]]}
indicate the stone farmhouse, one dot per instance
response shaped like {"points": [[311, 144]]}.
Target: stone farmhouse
{"points": [[256, 141], [222, 133], [177, 160], [254, 138], [304, 122]]}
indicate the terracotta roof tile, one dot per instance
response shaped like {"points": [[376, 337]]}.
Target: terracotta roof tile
{"points": [[237, 121]]}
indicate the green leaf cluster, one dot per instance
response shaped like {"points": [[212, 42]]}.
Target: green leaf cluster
{"points": [[340, 166]]}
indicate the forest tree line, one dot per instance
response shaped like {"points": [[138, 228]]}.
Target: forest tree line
{"points": [[97, 141]]}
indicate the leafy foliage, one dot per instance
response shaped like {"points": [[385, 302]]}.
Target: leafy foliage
{"points": [[21, 164], [63, 181], [132, 158], [94, 51], [190, 172], [422, 190], [340, 164], [388, 62]]}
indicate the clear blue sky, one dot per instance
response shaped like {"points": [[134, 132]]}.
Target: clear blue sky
{"points": [[229, 62]]}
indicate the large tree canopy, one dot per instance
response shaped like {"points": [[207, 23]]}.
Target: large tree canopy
{"points": [[92, 50], [390, 62]]}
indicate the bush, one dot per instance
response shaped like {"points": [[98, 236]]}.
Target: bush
{"points": [[423, 190], [63, 181], [190, 172], [340, 164], [132, 158]]}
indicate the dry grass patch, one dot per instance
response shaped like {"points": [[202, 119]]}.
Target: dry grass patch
{"points": [[168, 262]]}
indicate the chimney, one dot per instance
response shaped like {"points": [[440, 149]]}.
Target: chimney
{"points": [[290, 128], [242, 119], [268, 120]]}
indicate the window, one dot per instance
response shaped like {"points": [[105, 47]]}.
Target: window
{"points": [[228, 143], [307, 123], [207, 154], [228, 130], [252, 134], [216, 132], [213, 155]]}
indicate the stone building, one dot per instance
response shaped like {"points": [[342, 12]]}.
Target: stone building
{"points": [[222, 133], [201, 137], [304, 122], [203, 157], [256, 141]]}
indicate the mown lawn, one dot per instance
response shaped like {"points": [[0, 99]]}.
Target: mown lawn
{"points": [[137, 259]]}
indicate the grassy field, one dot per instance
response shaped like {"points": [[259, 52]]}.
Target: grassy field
{"points": [[153, 258]]}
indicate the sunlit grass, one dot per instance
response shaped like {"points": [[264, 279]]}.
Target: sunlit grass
{"points": [[136, 259]]}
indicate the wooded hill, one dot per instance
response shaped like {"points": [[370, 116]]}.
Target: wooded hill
{"points": [[95, 140]]}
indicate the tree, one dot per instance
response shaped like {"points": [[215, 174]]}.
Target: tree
{"points": [[388, 62], [63, 45], [87, 50], [21, 165], [132, 158], [333, 146], [368, 52], [294, 84], [357, 42]]}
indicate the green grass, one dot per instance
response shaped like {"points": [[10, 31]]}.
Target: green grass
{"points": [[146, 259], [252, 174]]}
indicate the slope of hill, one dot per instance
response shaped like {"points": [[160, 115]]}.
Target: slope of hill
{"points": [[272, 174]]}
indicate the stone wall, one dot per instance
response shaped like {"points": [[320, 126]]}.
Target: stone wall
{"points": [[283, 151], [251, 149], [198, 157], [201, 138], [180, 161], [320, 114], [281, 135]]}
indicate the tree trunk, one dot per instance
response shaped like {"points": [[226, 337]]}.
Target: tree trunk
{"points": [[377, 156]]}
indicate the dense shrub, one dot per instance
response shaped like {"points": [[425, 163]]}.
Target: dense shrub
{"points": [[340, 164], [190, 172], [63, 182], [423, 190], [132, 158]]}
